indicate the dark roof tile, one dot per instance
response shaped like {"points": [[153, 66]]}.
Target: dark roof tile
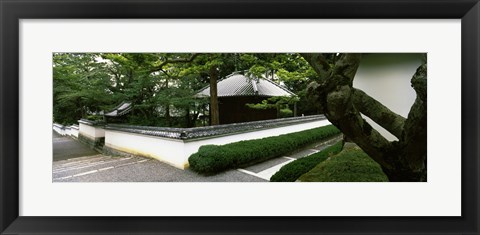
{"points": [[240, 85]]}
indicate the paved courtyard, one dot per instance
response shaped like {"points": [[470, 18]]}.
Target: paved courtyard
{"points": [[75, 162]]}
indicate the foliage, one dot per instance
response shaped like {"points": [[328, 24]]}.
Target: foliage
{"points": [[212, 159], [161, 86], [94, 118], [280, 103], [78, 87], [286, 112], [293, 170], [274, 102], [87, 83], [350, 165], [290, 70]]}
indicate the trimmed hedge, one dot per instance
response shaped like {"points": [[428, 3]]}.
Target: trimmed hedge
{"points": [[293, 170], [212, 159], [350, 165]]}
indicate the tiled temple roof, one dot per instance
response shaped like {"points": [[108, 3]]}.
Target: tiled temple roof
{"points": [[122, 109], [238, 84]]}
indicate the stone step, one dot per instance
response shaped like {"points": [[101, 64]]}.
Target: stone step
{"points": [[86, 166], [77, 162], [95, 166]]}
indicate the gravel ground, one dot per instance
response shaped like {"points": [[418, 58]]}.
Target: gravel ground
{"points": [[156, 171], [266, 164]]}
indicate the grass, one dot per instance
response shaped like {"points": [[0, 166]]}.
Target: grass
{"points": [[350, 165], [293, 170]]}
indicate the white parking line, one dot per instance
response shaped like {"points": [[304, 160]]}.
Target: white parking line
{"points": [[252, 173], [106, 168], [85, 173], [267, 173]]}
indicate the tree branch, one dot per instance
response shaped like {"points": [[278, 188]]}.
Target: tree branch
{"points": [[380, 114], [403, 160], [343, 114], [174, 61], [345, 69], [318, 62]]}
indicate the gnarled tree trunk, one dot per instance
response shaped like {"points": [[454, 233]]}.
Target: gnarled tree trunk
{"points": [[402, 160]]}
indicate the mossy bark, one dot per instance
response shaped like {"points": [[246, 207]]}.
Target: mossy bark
{"points": [[402, 160]]}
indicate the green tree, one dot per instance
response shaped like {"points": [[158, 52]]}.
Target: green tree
{"points": [[151, 82], [287, 69], [212, 66], [79, 86]]}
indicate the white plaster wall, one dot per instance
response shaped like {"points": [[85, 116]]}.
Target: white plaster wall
{"points": [[74, 131], [177, 152], [59, 129], [386, 77], [99, 132], [91, 131], [68, 131], [165, 150]]}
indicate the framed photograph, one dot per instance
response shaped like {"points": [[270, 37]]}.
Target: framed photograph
{"points": [[239, 117]]}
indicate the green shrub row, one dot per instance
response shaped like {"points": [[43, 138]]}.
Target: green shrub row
{"points": [[212, 159], [293, 170]]}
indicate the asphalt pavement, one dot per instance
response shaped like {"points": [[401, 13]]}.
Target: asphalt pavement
{"points": [[66, 148]]}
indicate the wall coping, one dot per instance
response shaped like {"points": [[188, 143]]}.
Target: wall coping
{"points": [[210, 131], [63, 127], [58, 125]]}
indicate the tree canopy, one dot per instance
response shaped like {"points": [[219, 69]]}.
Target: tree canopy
{"points": [[162, 85]]}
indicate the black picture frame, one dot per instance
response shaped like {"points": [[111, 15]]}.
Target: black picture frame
{"points": [[12, 11]]}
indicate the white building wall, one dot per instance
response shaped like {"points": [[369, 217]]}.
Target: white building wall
{"points": [[92, 132], [59, 129], [176, 152], [99, 132], [386, 77], [74, 131], [67, 130], [163, 149]]}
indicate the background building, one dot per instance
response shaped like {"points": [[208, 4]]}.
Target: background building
{"points": [[237, 90]]}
